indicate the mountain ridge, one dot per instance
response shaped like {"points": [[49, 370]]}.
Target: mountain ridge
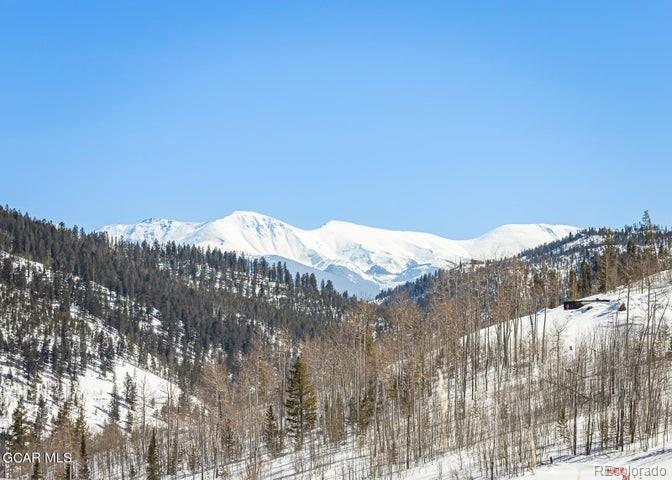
{"points": [[357, 258]]}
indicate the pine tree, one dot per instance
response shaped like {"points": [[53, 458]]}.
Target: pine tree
{"points": [[650, 251], [83, 471], [562, 425], [129, 391], [607, 267], [301, 403], [114, 401], [271, 432], [67, 472], [40, 418], [130, 419], [62, 420], [130, 399], [80, 424], [37, 472], [153, 472], [18, 434], [228, 439], [585, 286], [573, 287]]}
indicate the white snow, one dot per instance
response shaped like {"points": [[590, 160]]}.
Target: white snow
{"points": [[353, 255], [91, 386]]}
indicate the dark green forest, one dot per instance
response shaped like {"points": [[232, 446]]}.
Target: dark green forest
{"points": [[176, 304]]}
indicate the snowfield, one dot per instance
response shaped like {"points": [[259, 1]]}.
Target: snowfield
{"points": [[360, 259]]}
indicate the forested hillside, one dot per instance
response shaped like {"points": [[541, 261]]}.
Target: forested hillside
{"points": [[591, 261], [199, 301], [76, 309], [256, 373]]}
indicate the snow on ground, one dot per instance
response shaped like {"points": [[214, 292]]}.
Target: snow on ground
{"points": [[653, 464], [347, 464], [91, 387], [97, 391], [573, 326]]}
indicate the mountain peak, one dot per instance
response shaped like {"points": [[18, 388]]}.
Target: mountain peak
{"points": [[247, 214], [357, 258], [251, 217]]}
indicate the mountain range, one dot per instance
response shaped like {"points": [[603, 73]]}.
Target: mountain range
{"points": [[360, 259]]}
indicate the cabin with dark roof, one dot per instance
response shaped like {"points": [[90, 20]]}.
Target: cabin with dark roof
{"points": [[573, 304]]}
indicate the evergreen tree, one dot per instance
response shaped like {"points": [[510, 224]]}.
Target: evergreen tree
{"points": [[129, 390], [271, 432], [40, 418], [607, 266], [62, 423], [153, 472], [561, 425], [37, 472], [228, 439], [585, 287], [114, 401], [130, 419], [573, 287], [301, 403], [83, 471], [130, 398], [19, 435], [67, 472], [80, 424]]}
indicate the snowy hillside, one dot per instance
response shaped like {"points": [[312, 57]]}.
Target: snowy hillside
{"points": [[356, 258], [95, 379], [566, 334]]}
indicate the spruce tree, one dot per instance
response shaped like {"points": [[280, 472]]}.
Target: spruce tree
{"points": [[153, 472], [67, 472], [114, 401], [62, 422], [561, 425], [573, 287], [271, 432], [301, 403], [37, 472], [40, 418], [607, 267], [18, 433], [80, 424], [585, 287], [83, 471]]}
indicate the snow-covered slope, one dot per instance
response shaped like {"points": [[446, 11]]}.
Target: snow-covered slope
{"points": [[356, 258], [564, 332], [90, 387]]}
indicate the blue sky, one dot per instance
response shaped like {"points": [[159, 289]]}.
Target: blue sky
{"points": [[448, 117]]}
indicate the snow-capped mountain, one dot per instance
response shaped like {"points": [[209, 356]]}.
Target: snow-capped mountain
{"points": [[357, 258]]}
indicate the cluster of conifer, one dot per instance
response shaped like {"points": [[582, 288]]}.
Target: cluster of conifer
{"points": [[171, 302]]}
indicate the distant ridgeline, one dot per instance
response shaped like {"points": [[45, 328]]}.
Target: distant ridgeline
{"points": [[591, 261], [177, 303]]}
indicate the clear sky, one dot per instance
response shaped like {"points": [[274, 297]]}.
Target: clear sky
{"points": [[448, 117]]}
